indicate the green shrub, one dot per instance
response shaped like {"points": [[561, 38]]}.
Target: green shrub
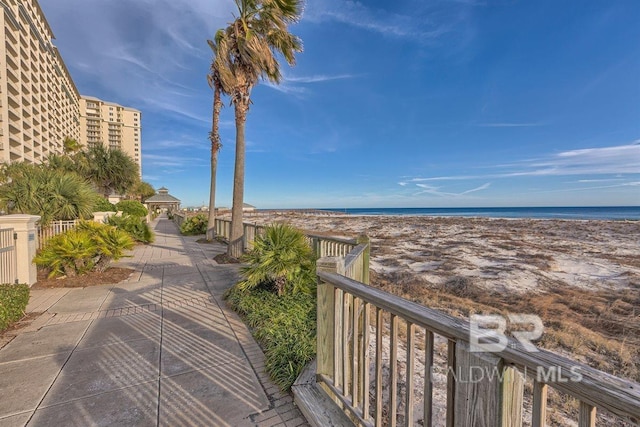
{"points": [[284, 326], [132, 207], [103, 205], [136, 226], [281, 259], [90, 246], [13, 301], [194, 225]]}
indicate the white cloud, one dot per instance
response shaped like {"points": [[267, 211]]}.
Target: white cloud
{"points": [[427, 24], [509, 125], [480, 188], [429, 189], [174, 161], [134, 51], [614, 160], [294, 85]]}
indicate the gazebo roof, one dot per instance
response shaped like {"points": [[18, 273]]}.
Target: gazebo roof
{"points": [[163, 196]]}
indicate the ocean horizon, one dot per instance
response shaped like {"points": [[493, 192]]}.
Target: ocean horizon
{"points": [[570, 213]]}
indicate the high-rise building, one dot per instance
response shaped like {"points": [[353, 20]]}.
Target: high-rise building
{"points": [[112, 125], [38, 99], [40, 105]]}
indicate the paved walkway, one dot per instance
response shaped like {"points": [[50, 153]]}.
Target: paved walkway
{"points": [[160, 349]]}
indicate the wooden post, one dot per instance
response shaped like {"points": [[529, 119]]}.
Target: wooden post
{"points": [[362, 240], [315, 245], [326, 317], [587, 415], [487, 393], [539, 412], [511, 395]]}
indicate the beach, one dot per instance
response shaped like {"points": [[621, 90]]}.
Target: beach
{"points": [[514, 255]]}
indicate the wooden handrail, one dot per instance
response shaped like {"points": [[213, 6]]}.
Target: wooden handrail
{"points": [[594, 388]]}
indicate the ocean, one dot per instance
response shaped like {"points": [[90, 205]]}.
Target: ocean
{"points": [[578, 213]]}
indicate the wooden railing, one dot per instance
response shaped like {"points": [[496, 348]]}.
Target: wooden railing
{"points": [[8, 257], [481, 389], [356, 250], [53, 229], [178, 218]]}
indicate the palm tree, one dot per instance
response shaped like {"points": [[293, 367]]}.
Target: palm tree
{"points": [[248, 52], [213, 78], [109, 169]]}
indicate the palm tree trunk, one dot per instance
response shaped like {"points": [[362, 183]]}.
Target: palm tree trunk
{"points": [[236, 240], [215, 148]]}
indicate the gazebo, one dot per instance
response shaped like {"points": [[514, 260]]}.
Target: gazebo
{"points": [[163, 201]]}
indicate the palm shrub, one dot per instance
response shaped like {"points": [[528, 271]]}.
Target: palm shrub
{"points": [[52, 194], [282, 259], [13, 302], [90, 246], [194, 225], [136, 226], [132, 207], [110, 241]]}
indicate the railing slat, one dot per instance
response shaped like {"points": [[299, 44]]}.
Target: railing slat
{"points": [[365, 359], [451, 385], [339, 325], [345, 343], [587, 415], [355, 368], [410, 361], [428, 380], [539, 412], [393, 372], [379, 331]]}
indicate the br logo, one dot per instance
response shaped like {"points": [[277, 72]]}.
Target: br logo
{"points": [[487, 332]]}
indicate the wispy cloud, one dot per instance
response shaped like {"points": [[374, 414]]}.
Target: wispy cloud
{"points": [[480, 188], [430, 189], [508, 125], [426, 25], [149, 43], [173, 160], [296, 84], [319, 78], [614, 160], [581, 181]]}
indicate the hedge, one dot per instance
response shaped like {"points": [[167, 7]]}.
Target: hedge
{"points": [[13, 302]]}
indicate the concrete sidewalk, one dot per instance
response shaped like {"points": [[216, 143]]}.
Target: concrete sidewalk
{"points": [[160, 349]]}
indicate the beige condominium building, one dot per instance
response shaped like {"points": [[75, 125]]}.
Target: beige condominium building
{"points": [[112, 125], [38, 99], [39, 103]]}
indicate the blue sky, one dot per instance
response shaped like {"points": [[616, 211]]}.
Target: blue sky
{"points": [[439, 103]]}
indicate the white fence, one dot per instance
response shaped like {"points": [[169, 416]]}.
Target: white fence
{"points": [[53, 229], [8, 257]]}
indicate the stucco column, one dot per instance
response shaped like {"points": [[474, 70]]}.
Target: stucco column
{"points": [[26, 244], [102, 217]]}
